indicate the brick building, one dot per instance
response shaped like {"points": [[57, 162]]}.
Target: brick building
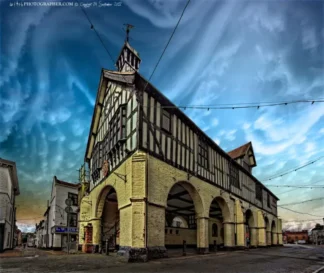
{"points": [[149, 164], [296, 236]]}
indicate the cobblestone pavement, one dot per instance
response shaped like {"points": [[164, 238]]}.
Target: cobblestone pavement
{"points": [[279, 260]]}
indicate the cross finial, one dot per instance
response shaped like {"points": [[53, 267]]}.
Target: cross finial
{"points": [[128, 27]]}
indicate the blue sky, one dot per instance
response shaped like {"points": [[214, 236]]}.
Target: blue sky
{"points": [[222, 52]]}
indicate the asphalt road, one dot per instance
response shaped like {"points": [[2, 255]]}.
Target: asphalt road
{"points": [[279, 259]]}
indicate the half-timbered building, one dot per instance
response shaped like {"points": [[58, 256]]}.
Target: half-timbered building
{"points": [[156, 179]]}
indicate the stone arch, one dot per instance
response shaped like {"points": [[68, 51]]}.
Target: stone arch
{"points": [[183, 199], [267, 223], [194, 194], [108, 217], [268, 230], [225, 209], [101, 199], [274, 235], [220, 215], [250, 228]]}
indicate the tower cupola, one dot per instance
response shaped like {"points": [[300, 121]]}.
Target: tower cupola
{"points": [[128, 59]]}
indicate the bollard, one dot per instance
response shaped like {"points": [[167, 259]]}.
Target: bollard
{"points": [[107, 247], [184, 248], [215, 246]]}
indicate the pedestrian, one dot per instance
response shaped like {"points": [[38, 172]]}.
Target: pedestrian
{"points": [[248, 242], [24, 242]]}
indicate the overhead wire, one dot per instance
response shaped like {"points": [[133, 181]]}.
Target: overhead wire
{"points": [[306, 220], [93, 27], [300, 187], [232, 106], [300, 212], [301, 202], [293, 169], [297, 188]]}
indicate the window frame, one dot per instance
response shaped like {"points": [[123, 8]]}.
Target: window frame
{"points": [[258, 191], [73, 214], [72, 196], [166, 115], [268, 200], [234, 175], [202, 159]]}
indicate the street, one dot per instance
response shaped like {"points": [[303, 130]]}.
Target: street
{"points": [[280, 259]]}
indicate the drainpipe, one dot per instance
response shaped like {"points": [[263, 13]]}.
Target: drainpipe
{"points": [[146, 204], [47, 217]]}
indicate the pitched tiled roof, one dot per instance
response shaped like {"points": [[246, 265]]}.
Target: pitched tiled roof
{"points": [[240, 151]]}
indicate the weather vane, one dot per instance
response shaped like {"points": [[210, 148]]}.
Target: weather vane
{"points": [[128, 27]]}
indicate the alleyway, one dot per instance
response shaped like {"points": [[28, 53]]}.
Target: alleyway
{"points": [[283, 260]]}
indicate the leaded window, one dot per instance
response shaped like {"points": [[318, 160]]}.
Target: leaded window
{"points": [[192, 221], [268, 200], [234, 175], [258, 191], [166, 121], [118, 126], [203, 154]]}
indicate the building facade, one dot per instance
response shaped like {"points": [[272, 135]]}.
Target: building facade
{"points": [[292, 237], [18, 237], [9, 189], [60, 223], [39, 240], [150, 164], [317, 235]]}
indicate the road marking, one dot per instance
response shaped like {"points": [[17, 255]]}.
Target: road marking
{"points": [[318, 270]]}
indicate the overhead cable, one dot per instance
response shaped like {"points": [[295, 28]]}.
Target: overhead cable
{"points": [[300, 187], [302, 202], [297, 188], [306, 220], [300, 212], [293, 170]]}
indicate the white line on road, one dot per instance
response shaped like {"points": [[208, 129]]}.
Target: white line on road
{"points": [[318, 270]]}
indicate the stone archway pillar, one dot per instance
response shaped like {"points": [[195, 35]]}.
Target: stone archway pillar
{"points": [[96, 233], [253, 236], [269, 238], [261, 230], [280, 232], [240, 226], [274, 238], [262, 237], [279, 240], [229, 230], [202, 234]]}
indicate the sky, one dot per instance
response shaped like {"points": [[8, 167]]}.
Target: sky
{"points": [[223, 52]]}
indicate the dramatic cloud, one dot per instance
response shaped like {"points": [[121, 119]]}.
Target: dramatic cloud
{"points": [[228, 52]]}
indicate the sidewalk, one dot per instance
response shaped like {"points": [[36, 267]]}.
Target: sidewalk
{"points": [[30, 252], [11, 253]]}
